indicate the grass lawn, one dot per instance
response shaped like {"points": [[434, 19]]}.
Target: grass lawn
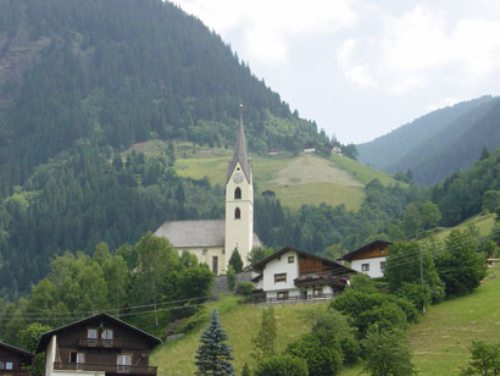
{"points": [[241, 323], [440, 340]]}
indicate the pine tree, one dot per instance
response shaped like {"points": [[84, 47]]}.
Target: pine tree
{"points": [[236, 262], [263, 343], [246, 370], [214, 355]]}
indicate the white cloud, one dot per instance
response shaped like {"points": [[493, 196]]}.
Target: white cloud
{"points": [[268, 28], [414, 49]]}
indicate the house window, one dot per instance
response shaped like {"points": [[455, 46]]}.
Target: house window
{"points": [[365, 267], [92, 333], [382, 265], [283, 295], [280, 277], [317, 292], [9, 366], [124, 361], [237, 193], [215, 265], [237, 213], [107, 334], [77, 357], [291, 259]]}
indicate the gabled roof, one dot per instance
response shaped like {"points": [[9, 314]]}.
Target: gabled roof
{"points": [[197, 233], [45, 338], [20, 352], [350, 255], [240, 154], [259, 265]]}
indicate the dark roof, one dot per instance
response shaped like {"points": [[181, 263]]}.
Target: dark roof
{"points": [[22, 353], [259, 265], [197, 233], [350, 255], [240, 155], [45, 338]]}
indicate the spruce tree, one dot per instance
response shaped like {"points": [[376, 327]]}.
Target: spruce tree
{"points": [[263, 343], [236, 262], [214, 355]]}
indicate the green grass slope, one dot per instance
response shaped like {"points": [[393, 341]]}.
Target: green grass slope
{"points": [[440, 340], [241, 323], [484, 223], [296, 180]]}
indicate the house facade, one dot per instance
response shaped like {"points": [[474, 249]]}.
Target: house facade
{"points": [[101, 345], [370, 259], [13, 359], [213, 241], [294, 274]]}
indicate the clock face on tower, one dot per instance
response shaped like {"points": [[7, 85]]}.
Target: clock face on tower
{"points": [[238, 177]]}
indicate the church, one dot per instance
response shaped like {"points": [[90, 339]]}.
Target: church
{"points": [[213, 241]]}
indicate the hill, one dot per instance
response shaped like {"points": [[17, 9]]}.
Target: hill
{"points": [[454, 136], [441, 339], [296, 180], [118, 72], [239, 321]]}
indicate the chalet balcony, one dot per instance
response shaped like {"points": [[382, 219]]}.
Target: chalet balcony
{"points": [[98, 342], [5, 372], [108, 368]]}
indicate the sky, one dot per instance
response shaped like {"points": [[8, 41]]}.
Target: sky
{"points": [[361, 68]]}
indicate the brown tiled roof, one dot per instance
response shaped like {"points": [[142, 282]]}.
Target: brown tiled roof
{"points": [[350, 255]]}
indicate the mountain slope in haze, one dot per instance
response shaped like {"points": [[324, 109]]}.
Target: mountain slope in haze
{"points": [[118, 72], [440, 143]]}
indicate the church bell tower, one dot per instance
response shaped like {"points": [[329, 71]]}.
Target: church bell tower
{"points": [[239, 201]]}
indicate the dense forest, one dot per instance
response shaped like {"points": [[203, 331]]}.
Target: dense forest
{"points": [[454, 136], [118, 72]]}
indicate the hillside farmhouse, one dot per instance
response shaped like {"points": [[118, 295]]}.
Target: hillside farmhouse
{"points": [[13, 359], [293, 274], [213, 241], [370, 258], [101, 345]]}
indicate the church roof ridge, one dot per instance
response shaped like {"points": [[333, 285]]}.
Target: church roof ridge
{"points": [[240, 153]]}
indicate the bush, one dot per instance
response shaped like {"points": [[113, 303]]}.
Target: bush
{"points": [[418, 295], [386, 316], [387, 353], [485, 359], [244, 288], [281, 365], [363, 283]]}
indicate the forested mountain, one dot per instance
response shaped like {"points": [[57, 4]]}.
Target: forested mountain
{"points": [[440, 143], [122, 71], [80, 81]]}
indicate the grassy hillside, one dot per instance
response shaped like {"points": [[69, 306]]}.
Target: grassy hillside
{"points": [[296, 180], [483, 223], [240, 322], [441, 339]]}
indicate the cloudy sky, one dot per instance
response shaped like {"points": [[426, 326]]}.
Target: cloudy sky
{"points": [[361, 68]]}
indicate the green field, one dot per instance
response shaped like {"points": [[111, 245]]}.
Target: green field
{"points": [[241, 323], [296, 180], [440, 340], [483, 223]]}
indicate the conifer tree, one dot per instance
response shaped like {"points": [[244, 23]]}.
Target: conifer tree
{"points": [[263, 343], [236, 262], [214, 355], [246, 370]]}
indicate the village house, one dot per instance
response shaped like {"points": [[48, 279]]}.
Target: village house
{"points": [[13, 359], [293, 274], [370, 258], [213, 241], [101, 345]]}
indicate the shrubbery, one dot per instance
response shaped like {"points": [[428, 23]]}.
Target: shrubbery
{"points": [[282, 365]]}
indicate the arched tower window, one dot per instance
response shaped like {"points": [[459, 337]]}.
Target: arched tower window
{"points": [[237, 193], [237, 213]]}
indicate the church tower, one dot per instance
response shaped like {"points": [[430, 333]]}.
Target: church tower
{"points": [[239, 201]]}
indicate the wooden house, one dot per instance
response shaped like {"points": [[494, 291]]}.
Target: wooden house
{"points": [[370, 258], [12, 360], [101, 345], [293, 274]]}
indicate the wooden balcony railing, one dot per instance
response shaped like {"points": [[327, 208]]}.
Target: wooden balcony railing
{"points": [[98, 342], [5, 372], [108, 368]]}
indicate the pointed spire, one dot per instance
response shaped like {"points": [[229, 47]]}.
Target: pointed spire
{"points": [[240, 152]]}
